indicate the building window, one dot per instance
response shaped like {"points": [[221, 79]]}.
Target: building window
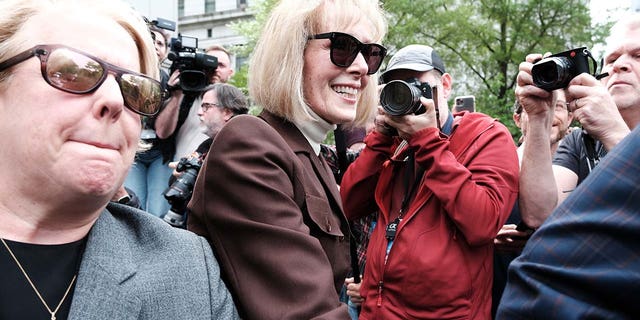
{"points": [[180, 8], [209, 6], [209, 33], [240, 61]]}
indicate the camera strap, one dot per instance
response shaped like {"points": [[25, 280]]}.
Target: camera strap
{"points": [[185, 105], [590, 150], [597, 70], [343, 163], [411, 173], [341, 152]]}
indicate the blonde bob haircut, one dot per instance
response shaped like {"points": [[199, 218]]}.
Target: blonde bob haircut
{"points": [[276, 67], [15, 13]]}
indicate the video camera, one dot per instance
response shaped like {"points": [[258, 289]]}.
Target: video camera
{"points": [[163, 24], [179, 192], [556, 71], [195, 67]]}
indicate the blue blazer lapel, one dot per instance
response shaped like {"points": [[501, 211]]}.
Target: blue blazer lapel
{"points": [[106, 264]]}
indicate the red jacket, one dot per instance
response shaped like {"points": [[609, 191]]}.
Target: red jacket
{"points": [[441, 262]]}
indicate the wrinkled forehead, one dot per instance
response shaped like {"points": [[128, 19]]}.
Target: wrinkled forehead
{"points": [[623, 33]]}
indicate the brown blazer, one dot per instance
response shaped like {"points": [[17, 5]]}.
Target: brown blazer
{"points": [[271, 210]]}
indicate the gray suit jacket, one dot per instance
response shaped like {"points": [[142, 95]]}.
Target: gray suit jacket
{"points": [[135, 266]]}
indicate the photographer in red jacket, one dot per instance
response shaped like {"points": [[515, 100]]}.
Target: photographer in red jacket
{"points": [[444, 184]]}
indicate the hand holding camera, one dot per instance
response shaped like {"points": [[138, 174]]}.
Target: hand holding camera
{"points": [[179, 192], [593, 106], [399, 97], [589, 100], [551, 73], [409, 106], [195, 67], [556, 71]]}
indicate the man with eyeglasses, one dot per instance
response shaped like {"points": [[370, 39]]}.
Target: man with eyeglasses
{"points": [[179, 121], [70, 108], [607, 110], [511, 238], [147, 176], [581, 261], [444, 185], [265, 197], [220, 103]]}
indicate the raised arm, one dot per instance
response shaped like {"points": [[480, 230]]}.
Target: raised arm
{"points": [[538, 191]]}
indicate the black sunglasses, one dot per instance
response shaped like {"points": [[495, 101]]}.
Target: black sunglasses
{"points": [[74, 71], [345, 49]]}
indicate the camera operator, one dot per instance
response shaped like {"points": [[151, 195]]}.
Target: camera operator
{"points": [[224, 71], [582, 262], [146, 177], [606, 109], [179, 120], [220, 103], [443, 192]]}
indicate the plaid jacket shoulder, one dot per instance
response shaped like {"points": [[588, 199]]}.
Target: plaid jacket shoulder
{"points": [[584, 262]]}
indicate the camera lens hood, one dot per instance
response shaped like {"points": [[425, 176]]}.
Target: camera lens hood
{"points": [[552, 73], [400, 98]]}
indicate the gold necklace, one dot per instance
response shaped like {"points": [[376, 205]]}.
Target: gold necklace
{"points": [[53, 313]]}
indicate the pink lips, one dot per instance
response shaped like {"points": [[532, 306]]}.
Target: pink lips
{"points": [[615, 83], [101, 145]]}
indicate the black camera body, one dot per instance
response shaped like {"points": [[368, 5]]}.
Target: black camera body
{"points": [[179, 192], [195, 67], [164, 24], [556, 71], [399, 97]]}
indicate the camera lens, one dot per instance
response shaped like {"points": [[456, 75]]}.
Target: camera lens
{"points": [[400, 98], [552, 73], [193, 80]]}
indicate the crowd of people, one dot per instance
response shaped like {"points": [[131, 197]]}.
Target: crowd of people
{"points": [[428, 213], [67, 251]]}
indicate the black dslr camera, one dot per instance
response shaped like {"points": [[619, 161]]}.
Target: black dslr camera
{"points": [[195, 67], [179, 192], [399, 97], [556, 71]]}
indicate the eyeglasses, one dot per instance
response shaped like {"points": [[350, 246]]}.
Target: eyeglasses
{"points": [[74, 71], [345, 49], [562, 106], [206, 106]]}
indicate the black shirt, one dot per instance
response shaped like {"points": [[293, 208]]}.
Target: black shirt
{"points": [[572, 154], [50, 267]]}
